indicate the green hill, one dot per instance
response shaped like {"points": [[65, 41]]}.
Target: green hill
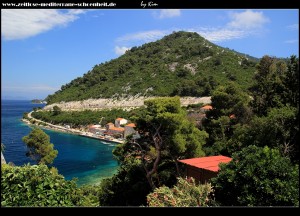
{"points": [[182, 63]]}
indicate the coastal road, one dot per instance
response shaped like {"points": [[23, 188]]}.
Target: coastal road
{"points": [[52, 125], [72, 131]]}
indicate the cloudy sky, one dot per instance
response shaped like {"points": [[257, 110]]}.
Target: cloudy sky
{"points": [[44, 49]]}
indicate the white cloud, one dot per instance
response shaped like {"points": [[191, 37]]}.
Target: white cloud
{"points": [[145, 37], [209, 33], [240, 25], [247, 20], [169, 13], [25, 23], [121, 50], [98, 15], [291, 41], [76, 11], [135, 39], [294, 27], [221, 34]]}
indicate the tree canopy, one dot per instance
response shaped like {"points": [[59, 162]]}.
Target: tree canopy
{"points": [[39, 146], [167, 133], [128, 187], [257, 176], [276, 84], [84, 118], [38, 185], [151, 161], [230, 107]]}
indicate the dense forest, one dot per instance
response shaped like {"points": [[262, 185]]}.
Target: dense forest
{"points": [[182, 63], [83, 118]]}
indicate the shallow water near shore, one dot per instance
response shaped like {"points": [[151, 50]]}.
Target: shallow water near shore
{"points": [[87, 159]]}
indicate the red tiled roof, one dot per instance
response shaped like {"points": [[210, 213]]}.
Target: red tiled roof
{"points": [[209, 163], [131, 125], [232, 116], [117, 129], [207, 107]]}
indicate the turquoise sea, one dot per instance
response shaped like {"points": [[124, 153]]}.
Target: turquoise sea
{"points": [[87, 159]]}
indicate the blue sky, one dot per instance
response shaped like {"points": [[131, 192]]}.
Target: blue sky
{"points": [[44, 49]]}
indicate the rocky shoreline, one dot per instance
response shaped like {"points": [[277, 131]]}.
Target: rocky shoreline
{"points": [[123, 103]]}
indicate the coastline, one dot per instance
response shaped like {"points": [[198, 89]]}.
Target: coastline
{"points": [[59, 128], [78, 156], [93, 179]]}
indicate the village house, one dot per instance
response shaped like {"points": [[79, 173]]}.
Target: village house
{"points": [[129, 129], [95, 129], [114, 131], [200, 115], [204, 168], [120, 121], [206, 108], [109, 125], [232, 116]]}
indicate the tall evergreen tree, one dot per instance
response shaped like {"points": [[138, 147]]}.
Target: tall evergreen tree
{"points": [[230, 107], [269, 87], [165, 128], [39, 146], [291, 82]]}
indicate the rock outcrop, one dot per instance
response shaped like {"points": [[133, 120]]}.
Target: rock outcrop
{"points": [[123, 103], [2, 159]]}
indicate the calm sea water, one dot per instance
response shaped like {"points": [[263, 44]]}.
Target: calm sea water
{"points": [[87, 159]]}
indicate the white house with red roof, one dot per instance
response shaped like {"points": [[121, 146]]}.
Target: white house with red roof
{"points": [[120, 121]]}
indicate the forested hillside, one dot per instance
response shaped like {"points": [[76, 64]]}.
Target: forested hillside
{"points": [[182, 63], [258, 129]]}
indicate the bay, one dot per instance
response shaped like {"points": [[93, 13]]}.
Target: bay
{"points": [[88, 160]]}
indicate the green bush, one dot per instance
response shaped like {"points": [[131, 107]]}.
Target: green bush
{"points": [[258, 177], [184, 194], [39, 185]]}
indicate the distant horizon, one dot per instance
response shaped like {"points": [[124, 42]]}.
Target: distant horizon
{"points": [[16, 99], [43, 49]]}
